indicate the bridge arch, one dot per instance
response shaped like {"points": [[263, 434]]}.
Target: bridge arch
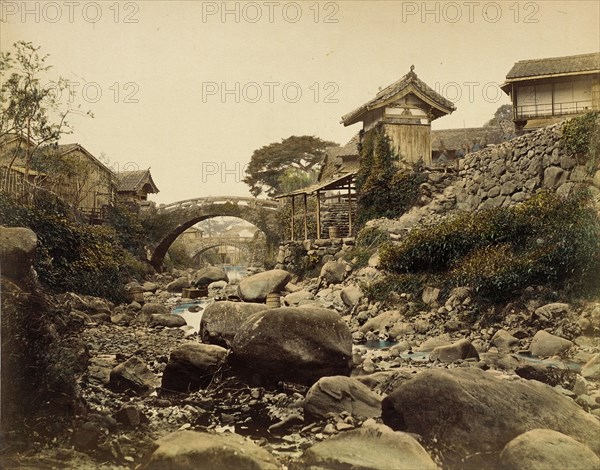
{"points": [[184, 214]]}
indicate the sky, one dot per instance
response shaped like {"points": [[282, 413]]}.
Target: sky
{"points": [[190, 88]]}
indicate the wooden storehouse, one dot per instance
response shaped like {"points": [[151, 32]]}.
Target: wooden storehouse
{"points": [[406, 109], [133, 187], [545, 91]]}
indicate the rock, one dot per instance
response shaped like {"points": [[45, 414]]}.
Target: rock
{"points": [[149, 287], [133, 376], [374, 447], [383, 321], [17, 252], [554, 177], [546, 344], [169, 320], [256, 287], [130, 416], [460, 350], [469, 412], [333, 395], [221, 320], [178, 284], [187, 450], [553, 311], [374, 260], [542, 449], [351, 295], [430, 295], [295, 298], [591, 370], [431, 343], [153, 308], [504, 341], [217, 285], [87, 436], [192, 366], [208, 275], [299, 344], [545, 373], [333, 272]]}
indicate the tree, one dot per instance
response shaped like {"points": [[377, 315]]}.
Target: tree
{"points": [[503, 113], [277, 167], [30, 109]]}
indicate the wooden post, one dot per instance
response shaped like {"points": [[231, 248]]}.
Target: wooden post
{"points": [[349, 211], [318, 215], [305, 219], [293, 215]]}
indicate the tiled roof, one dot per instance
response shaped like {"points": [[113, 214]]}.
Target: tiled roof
{"points": [[555, 66], [444, 105], [133, 181], [340, 159]]}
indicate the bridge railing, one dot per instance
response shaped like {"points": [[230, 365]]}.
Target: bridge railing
{"points": [[236, 200]]}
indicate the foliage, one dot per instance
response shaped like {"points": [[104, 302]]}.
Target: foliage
{"points": [[284, 218], [178, 257], [367, 241], [383, 189], [73, 256], [129, 228], [503, 113], [302, 264], [581, 136], [286, 164], [546, 240]]}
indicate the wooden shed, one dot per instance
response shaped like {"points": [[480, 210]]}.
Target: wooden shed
{"points": [[406, 109]]}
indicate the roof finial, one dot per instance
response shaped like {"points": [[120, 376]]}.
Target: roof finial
{"points": [[412, 68]]}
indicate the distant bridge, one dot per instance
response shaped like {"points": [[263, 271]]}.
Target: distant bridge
{"points": [[204, 244], [181, 215]]}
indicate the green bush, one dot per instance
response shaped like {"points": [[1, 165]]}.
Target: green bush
{"points": [[544, 240], [581, 135], [384, 189], [73, 256], [368, 240]]}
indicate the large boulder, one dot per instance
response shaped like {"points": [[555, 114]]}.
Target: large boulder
{"points": [[17, 251], [461, 349], [191, 450], [333, 272], [469, 412], [333, 395], [351, 295], [547, 344], [208, 275], [192, 366], [542, 449], [221, 321], [375, 447], [168, 320], [591, 370], [133, 376], [256, 287], [299, 344], [178, 284]]}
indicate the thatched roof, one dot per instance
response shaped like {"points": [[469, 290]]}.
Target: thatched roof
{"points": [[453, 139], [410, 83], [535, 69], [340, 159], [134, 181]]}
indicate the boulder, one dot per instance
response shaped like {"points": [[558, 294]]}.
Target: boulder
{"points": [[133, 376], [546, 344], [460, 350], [591, 370], [208, 275], [191, 450], [192, 366], [17, 251], [169, 320], [542, 449], [217, 285], [154, 308], [256, 287], [150, 287], [351, 295], [333, 272], [430, 295], [431, 343], [375, 447], [295, 298], [299, 344], [504, 341], [221, 320], [469, 412], [333, 395], [178, 284], [382, 321]]}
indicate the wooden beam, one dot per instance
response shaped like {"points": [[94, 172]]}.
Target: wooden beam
{"points": [[293, 216], [305, 219], [349, 212], [318, 215]]}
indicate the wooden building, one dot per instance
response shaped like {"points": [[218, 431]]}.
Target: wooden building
{"points": [[545, 91], [406, 109], [134, 186]]}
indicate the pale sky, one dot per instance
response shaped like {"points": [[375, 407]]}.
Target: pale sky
{"points": [[192, 88]]}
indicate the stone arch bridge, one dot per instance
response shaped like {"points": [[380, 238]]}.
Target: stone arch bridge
{"points": [[179, 216], [204, 244]]}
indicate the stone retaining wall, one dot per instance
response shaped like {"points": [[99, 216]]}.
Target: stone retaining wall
{"points": [[320, 251]]}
